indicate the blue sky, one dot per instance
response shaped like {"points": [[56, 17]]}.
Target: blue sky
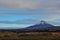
{"points": [[23, 13]]}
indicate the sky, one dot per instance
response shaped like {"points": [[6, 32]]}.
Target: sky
{"points": [[24, 13]]}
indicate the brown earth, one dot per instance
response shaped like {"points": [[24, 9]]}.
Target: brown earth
{"points": [[30, 36]]}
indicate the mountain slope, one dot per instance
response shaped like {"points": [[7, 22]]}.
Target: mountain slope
{"points": [[42, 24]]}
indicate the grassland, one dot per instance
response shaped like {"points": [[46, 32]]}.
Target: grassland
{"points": [[30, 36]]}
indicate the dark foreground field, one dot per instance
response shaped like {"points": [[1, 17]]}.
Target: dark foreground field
{"points": [[30, 36]]}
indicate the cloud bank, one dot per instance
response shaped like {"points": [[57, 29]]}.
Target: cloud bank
{"points": [[50, 9], [29, 4], [18, 4]]}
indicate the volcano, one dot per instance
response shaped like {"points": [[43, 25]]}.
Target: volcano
{"points": [[42, 24]]}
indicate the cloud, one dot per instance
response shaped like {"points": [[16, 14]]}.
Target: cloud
{"points": [[49, 8], [18, 4], [52, 18], [29, 4], [25, 21]]}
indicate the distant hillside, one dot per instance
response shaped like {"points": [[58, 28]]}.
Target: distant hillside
{"points": [[42, 24]]}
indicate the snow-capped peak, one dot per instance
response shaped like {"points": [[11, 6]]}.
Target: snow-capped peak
{"points": [[42, 22]]}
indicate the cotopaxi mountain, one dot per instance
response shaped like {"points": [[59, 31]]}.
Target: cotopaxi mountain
{"points": [[42, 24]]}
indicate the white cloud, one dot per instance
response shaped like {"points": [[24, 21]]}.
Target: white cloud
{"points": [[28, 4], [18, 4], [52, 6], [52, 18]]}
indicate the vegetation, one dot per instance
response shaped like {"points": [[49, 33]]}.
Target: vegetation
{"points": [[30, 36]]}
